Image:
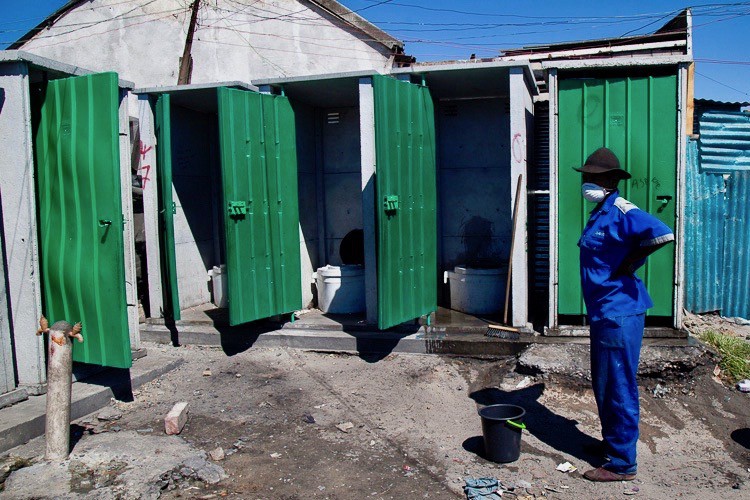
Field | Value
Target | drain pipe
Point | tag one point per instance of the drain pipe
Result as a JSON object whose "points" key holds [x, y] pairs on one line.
{"points": [[59, 386]]}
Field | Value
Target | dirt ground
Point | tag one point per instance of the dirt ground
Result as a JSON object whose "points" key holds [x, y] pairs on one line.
{"points": [[415, 431]]}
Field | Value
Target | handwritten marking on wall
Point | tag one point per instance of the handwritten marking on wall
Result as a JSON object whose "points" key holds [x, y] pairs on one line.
{"points": [[643, 182], [143, 150], [517, 148]]}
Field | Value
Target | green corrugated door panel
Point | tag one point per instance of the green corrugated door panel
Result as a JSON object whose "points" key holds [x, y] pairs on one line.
{"points": [[80, 224], [166, 207], [261, 209], [636, 117], [406, 201]]}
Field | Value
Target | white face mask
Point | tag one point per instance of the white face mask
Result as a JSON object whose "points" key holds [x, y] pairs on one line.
{"points": [[593, 192]]}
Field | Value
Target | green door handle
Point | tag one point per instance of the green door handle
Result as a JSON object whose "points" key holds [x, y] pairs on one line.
{"points": [[517, 425], [104, 222]]}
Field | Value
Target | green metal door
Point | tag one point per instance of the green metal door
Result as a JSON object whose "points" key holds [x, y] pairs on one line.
{"points": [[80, 223], [406, 201], [635, 117], [166, 207], [261, 217]]}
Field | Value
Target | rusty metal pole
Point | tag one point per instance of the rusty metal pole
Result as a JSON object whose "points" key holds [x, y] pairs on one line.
{"points": [[59, 386]]}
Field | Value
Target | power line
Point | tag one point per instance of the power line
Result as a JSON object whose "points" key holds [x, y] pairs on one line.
{"points": [[493, 14], [168, 14], [723, 84], [720, 61], [380, 2], [40, 18]]}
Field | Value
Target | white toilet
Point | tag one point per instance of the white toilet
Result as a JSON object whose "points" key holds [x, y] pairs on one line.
{"points": [[477, 291], [341, 289]]}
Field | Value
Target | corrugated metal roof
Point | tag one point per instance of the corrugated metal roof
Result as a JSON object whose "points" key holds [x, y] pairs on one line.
{"points": [[721, 104], [725, 141]]}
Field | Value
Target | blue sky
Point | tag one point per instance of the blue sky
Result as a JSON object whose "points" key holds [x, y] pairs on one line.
{"points": [[443, 29]]}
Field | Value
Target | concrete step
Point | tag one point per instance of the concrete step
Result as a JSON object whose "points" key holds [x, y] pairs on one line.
{"points": [[25, 420], [427, 340]]}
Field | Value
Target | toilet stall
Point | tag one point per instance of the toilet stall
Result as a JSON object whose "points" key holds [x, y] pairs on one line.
{"points": [[484, 132], [441, 149], [371, 169], [400, 181], [327, 121], [637, 109], [221, 198], [66, 220]]}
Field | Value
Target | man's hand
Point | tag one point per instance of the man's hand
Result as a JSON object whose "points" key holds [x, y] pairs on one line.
{"points": [[635, 259], [626, 268]]}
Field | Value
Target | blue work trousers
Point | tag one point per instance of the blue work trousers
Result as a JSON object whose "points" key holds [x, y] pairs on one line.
{"points": [[615, 351]]}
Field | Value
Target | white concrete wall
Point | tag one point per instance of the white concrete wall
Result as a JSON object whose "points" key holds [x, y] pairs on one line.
{"points": [[19, 224], [522, 133], [474, 183], [342, 178], [266, 38], [148, 172], [194, 173], [307, 187]]}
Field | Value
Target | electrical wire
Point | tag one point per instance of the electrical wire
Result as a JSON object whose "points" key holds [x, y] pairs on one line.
{"points": [[41, 18], [722, 84], [91, 24], [492, 14], [169, 14]]}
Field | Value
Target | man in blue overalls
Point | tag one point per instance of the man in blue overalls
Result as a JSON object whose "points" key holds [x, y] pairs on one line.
{"points": [[615, 242]]}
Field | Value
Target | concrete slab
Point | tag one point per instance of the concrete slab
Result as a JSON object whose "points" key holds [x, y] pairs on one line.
{"points": [[13, 397], [572, 359], [312, 335], [25, 420]]}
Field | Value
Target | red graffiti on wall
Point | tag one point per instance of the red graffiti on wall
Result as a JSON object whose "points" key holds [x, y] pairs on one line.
{"points": [[143, 150]]}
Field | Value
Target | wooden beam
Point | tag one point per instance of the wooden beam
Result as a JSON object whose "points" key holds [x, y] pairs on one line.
{"points": [[186, 63], [690, 111]]}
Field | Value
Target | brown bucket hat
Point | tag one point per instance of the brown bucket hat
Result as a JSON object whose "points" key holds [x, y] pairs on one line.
{"points": [[603, 160]]}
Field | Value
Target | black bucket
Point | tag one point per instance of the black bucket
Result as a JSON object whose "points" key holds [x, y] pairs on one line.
{"points": [[501, 429]]}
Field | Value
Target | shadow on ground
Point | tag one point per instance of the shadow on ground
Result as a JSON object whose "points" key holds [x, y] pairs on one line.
{"points": [[556, 431], [742, 437]]}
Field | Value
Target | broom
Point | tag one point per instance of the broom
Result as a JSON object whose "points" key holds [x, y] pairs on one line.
{"points": [[504, 331]]}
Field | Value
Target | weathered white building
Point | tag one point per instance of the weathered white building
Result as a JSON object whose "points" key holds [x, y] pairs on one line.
{"points": [[144, 40]]}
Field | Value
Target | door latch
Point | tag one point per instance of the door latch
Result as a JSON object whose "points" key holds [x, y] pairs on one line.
{"points": [[390, 202], [664, 199], [237, 208]]}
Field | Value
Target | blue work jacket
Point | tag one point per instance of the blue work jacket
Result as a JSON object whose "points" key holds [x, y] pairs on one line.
{"points": [[616, 228]]}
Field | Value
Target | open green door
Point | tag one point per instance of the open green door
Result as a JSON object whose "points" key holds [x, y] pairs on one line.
{"points": [[80, 223], [406, 201], [636, 117], [163, 119], [261, 211]]}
